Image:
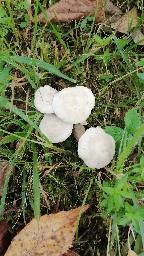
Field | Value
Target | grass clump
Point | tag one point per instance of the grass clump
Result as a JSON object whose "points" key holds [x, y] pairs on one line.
{"points": [[43, 178]]}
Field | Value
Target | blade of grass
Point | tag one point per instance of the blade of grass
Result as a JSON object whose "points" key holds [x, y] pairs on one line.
{"points": [[130, 146], [83, 204], [36, 185]]}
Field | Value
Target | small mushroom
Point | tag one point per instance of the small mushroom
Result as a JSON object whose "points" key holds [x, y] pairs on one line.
{"points": [[78, 131], [54, 128], [96, 148], [43, 99], [73, 105]]}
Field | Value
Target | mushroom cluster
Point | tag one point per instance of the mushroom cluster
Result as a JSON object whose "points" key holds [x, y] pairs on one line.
{"points": [[68, 107]]}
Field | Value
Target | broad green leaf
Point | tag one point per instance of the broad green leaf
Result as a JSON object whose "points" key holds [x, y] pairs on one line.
{"points": [[110, 204], [128, 207], [132, 121], [4, 74], [126, 194], [108, 190], [115, 132], [124, 221], [141, 75], [98, 39], [104, 203], [121, 183], [118, 201], [140, 63]]}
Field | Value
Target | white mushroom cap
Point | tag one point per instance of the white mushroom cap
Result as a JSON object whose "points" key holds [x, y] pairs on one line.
{"points": [[74, 104], [55, 129], [96, 148], [43, 99]]}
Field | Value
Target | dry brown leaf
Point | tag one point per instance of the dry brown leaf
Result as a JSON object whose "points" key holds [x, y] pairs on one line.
{"points": [[138, 37], [4, 237], [78, 131], [113, 13], [68, 10], [52, 235], [128, 20], [4, 168]]}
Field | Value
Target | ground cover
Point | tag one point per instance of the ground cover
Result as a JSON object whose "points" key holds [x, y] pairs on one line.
{"points": [[38, 178]]}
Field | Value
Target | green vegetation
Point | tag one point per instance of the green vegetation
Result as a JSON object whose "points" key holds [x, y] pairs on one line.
{"points": [[45, 178]]}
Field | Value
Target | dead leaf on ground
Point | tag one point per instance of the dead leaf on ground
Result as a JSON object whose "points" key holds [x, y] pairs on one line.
{"points": [[112, 12], [52, 235], [128, 20], [4, 168], [4, 237], [68, 10], [138, 37]]}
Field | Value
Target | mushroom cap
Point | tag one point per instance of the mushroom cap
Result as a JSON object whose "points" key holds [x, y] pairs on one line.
{"points": [[55, 129], [96, 148], [43, 99], [74, 104]]}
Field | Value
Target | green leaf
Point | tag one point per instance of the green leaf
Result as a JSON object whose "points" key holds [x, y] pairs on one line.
{"points": [[34, 62], [6, 104], [110, 204], [121, 183], [128, 207], [140, 63], [108, 190], [36, 184], [41, 64], [104, 203], [118, 201], [142, 162], [126, 194], [4, 74], [141, 75], [98, 39], [12, 137], [132, 121], [124, 221], [115, 132]]}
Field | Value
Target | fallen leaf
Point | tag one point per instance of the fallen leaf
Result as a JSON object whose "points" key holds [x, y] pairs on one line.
{"points": [[68, 10], [112, 12], [52, 235], [126, 22], [4, 168], [4, 237], [78, 131], [138, 37]]}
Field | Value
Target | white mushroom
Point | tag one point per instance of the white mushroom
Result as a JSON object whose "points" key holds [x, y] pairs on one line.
{"points": [[74, 104], [43, 99], [78, 131], [96, 148], [55, 129]]}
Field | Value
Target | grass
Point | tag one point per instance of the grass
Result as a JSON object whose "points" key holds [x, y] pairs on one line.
{"points": [[45, 178]]}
